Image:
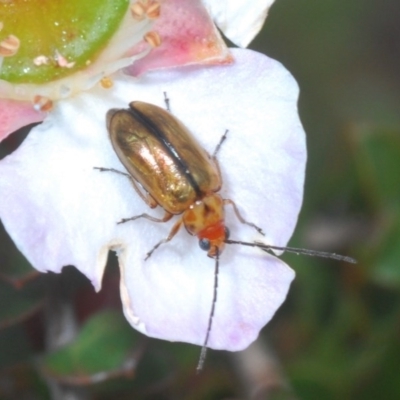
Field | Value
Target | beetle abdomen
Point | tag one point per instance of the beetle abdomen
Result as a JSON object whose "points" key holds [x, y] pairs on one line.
{"points": [[161, 154]]}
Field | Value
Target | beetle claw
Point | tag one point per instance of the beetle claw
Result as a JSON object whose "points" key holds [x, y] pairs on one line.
{"points": [[148, 255], [259, 230], [123, 220], [102, 169]]}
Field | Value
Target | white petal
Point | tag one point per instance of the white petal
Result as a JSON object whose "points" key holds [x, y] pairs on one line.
{"points": [[60, 211], [239, 20]]}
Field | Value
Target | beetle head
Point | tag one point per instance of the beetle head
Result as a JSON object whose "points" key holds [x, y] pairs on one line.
{"points": [[205, 219]]}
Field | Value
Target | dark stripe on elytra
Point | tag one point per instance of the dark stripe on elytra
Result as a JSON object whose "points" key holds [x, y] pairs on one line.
{"points": [[183, 168]]}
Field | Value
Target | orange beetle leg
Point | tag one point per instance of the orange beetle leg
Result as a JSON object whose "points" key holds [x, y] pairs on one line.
{"points": [[146, 197], [214, 156], [167, 216], [172, 233], [240, 218]]}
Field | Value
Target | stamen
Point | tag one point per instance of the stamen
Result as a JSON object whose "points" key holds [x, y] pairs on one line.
{"points": [[42, 103], [138, 11], [62, 61], [41, 60], [9, 46], [152, 38], [153, 11], [106, 82], [145, 9]]}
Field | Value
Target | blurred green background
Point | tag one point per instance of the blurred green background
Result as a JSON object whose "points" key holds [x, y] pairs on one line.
{"points": [[337, 335]]}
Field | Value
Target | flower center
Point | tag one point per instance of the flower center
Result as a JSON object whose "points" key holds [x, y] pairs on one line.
{"points": [[45, 40]]}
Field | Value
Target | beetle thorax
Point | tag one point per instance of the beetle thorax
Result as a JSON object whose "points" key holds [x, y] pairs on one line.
{"points": [[206, 219]]}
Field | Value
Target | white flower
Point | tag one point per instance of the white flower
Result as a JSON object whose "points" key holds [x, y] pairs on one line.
{"points": [[61, 211]]}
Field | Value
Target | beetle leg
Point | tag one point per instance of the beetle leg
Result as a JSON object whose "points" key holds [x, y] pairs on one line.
{"points": [[101, 169], [171, 234], [222, 140], [146, 197], [166, 99], [240, 218], [167, 216], [214, 156]]}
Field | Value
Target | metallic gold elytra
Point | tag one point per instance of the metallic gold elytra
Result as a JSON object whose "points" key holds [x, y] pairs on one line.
{"points": [[160, 153]]}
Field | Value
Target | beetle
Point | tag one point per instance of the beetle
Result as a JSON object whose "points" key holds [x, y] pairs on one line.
{"points": [[169, 168]]}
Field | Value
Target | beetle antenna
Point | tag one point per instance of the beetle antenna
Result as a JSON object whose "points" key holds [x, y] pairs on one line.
{"points": [[295, 250], [203, 352]]}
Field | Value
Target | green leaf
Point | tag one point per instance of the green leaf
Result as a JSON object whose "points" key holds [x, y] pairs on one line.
{"points": [[377, 153], [14, 346], [386, 269], [16, 305], [14, 267], [106, 345]]}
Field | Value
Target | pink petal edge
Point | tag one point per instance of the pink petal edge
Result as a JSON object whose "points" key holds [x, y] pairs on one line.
{"points": [[15, 115]]}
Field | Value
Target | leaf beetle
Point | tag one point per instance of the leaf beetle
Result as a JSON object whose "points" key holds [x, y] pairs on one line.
{"points": [[169, 168]]}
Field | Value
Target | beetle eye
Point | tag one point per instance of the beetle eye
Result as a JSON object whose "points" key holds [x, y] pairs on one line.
{"points": [[227, 232], [204, 244]]}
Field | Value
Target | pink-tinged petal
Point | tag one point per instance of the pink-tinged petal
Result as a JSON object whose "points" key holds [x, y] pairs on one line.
{"points": [[60, 211], [239, 20], [15, 115], [188, 36]]}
